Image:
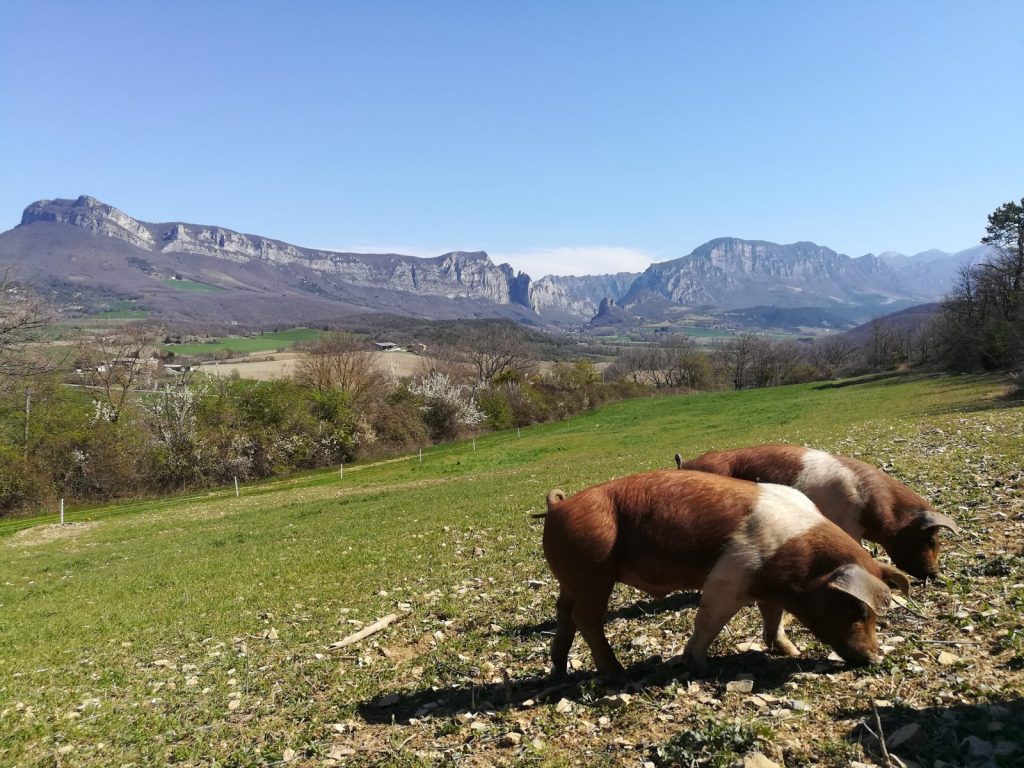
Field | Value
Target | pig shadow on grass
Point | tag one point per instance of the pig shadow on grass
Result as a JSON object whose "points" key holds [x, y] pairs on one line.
{"points": [[989, 733], [768, 672], [677, 601]]}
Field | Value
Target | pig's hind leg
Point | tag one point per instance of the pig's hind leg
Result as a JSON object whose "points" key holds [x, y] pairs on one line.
{"points": [[565, 632], [588, 612]]}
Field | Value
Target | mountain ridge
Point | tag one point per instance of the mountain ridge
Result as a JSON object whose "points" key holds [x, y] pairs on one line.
{"points": [[86, 248]]}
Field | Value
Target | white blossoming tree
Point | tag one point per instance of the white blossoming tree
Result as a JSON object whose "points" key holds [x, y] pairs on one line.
{"points": [[447, 407]]}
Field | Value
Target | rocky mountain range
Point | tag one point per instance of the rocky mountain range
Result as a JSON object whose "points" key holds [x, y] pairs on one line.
{"points": [[87, 254]]}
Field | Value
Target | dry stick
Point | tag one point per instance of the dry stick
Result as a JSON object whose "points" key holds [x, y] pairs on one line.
{"points": [[880, 735], [947, 642], [365, 632]]}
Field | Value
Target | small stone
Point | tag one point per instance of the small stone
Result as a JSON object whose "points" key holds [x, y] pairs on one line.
{"points": [[288, 755], [338, 752], [740, 686], [904, 735], [1004, 748], [798, 705], [757, 760], [234, 704], [477, 552], [563, 706], [744, 647], [537, 744], [756, 702], [614, 701], [947, 659], [511, 739], [978, 747], [271, 634], [478, 725]]}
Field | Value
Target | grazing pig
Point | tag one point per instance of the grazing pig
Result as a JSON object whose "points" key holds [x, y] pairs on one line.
{"points": [[738, 541], [861, 499]]}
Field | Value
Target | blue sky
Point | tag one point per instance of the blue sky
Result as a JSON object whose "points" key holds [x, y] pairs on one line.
{"points": [[564, 137]]}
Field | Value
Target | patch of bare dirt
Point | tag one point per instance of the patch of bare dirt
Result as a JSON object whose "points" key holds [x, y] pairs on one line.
{"points": [[44, 534]]}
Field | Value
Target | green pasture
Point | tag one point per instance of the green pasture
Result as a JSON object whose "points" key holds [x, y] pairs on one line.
{"points": [[194, 630], [124, 309], [243, 345]]}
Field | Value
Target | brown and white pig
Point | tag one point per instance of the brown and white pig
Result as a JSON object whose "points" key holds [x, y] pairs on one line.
{"points": [[737, 541], [861, 499]]}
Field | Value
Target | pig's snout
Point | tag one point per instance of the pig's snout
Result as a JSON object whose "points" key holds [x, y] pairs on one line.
{"points": [[859, 656]]}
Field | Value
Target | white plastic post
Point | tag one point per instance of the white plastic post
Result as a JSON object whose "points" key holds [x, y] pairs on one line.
{"points": [[519, 432], [236, 487], [62, 511], [341, 471], [421, 455], [474, 442]]}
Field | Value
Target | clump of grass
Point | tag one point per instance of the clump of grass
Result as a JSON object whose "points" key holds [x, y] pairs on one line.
{"points": [[709, 743]]}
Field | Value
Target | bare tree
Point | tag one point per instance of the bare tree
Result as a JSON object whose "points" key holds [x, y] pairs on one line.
{"points": [[122, 362], [24, 322], [684, 364], [735, 358], [339, 361], [888, 347], [445, 360], [635, 363], [495, 349], [833, 355]]}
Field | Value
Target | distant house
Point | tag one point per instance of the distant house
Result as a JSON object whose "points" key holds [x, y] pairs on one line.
{"points": [[387, 346]]}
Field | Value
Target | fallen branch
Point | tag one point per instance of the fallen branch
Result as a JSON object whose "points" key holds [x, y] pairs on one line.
{"points": [[365, 632], [880, 735]]}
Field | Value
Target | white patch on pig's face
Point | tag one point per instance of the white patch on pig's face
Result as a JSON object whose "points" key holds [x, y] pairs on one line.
{"points": [[834, 488]]}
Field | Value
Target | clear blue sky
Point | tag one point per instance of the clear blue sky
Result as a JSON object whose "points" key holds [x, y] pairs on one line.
{"points": [[571, 137]]}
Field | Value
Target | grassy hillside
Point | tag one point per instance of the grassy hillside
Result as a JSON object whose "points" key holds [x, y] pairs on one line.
{"points": [[195, 630]]}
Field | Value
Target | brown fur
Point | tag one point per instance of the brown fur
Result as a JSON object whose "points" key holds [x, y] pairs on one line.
{"points": [[666, 530], [891, 514]]}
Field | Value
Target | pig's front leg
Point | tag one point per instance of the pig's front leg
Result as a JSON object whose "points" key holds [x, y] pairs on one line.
{"points": [[723, 595], [775, 629]]}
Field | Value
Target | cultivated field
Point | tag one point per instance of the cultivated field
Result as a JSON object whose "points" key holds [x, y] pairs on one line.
{"points": [[197, 631], [283, 364]]}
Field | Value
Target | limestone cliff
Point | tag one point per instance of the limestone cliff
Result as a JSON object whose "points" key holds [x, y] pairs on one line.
{"points": [[453, 275], [578, 296]]}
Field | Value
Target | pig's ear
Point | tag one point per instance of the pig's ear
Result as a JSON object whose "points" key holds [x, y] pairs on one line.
{"points": [[929, 518], [679, 461], [854, 580], [894, 577]]}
